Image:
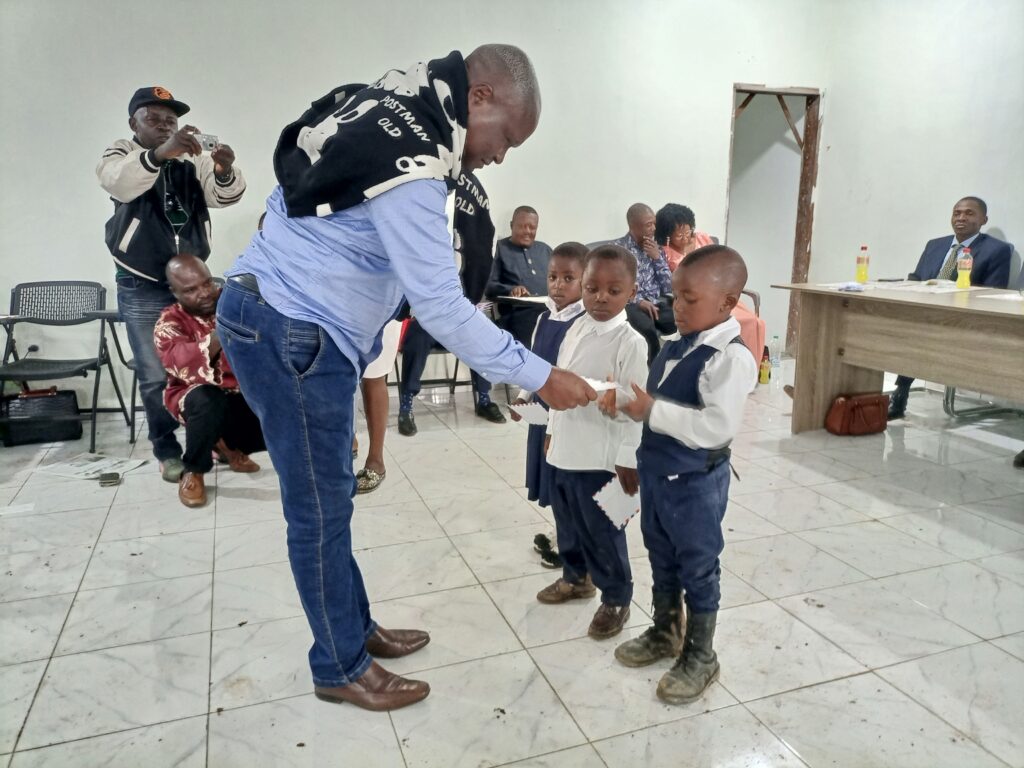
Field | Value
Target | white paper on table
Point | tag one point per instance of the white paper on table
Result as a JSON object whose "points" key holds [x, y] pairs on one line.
{"points": [[89, 466], [532, 413], [617, 506], [1004, 296]]}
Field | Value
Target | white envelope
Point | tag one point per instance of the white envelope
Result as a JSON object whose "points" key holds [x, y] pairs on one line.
{"points": [[616, 505], [532, 413]]}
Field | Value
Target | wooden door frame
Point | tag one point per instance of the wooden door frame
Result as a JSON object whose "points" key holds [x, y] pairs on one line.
{"points": [[808, 143]]}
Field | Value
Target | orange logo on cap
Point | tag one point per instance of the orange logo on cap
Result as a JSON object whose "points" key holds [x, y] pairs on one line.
{"points": [[162, 93]]}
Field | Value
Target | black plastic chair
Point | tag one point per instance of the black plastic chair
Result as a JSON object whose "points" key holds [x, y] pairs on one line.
{"points": [[58, 302]]}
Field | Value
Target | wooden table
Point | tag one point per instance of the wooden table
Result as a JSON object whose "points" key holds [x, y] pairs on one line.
{"points": [[847, 340]]}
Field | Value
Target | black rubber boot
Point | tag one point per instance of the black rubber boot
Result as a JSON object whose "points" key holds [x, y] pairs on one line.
{"points": [[662, 640], [697, 667]]}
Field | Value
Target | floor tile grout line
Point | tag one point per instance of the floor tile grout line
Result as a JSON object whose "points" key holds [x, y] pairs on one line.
{"points": [[956, 729], [60, 632], [107, 733], [213, 587]]}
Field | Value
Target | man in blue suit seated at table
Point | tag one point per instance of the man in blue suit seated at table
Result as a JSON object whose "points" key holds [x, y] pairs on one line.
{"points": [[991, 267]]}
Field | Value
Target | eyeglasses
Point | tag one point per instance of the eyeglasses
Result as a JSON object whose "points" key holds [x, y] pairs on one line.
{"points": [[171, 121]]}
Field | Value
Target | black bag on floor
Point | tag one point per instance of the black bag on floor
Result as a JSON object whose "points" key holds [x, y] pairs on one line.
{"points": [[41, 416]]}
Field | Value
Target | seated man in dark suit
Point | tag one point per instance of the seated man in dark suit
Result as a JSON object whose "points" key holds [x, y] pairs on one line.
{"points": [[991, 267], [520, 269]]}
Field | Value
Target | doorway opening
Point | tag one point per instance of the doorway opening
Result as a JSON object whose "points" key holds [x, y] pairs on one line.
{"points": [[773, 167]]}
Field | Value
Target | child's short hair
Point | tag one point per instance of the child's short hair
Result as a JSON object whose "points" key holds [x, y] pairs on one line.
{"points": [[613, 253], [573, 251], [729, 266]]}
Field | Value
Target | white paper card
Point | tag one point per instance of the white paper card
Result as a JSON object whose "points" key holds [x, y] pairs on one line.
{"points": [[532, 413], [616, 505], [89, 466], [1004, 296]]}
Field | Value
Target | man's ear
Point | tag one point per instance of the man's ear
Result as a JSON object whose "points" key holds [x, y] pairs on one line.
{"points": [[133, 124], [729, 301]]}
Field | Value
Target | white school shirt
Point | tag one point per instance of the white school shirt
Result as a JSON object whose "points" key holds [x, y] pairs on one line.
{"points": [[584, 438], [558, 315], [727, 379]]}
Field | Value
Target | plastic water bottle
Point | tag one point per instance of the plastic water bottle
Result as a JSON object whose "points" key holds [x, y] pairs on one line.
{"points": [[775, 352]]}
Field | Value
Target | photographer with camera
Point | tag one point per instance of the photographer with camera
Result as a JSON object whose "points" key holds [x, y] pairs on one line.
{"points": [[162, 181]]}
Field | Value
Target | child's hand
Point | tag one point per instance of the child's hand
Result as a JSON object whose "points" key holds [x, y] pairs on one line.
{"points": [[639, 409], [606, 402], [547, 444], [515, 416], [629, 479]]}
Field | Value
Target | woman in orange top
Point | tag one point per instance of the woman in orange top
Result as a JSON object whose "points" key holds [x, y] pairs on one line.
{"points": [[675, 229]]}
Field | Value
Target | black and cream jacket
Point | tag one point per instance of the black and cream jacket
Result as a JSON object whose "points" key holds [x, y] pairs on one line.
{"points": [[148, 195]]}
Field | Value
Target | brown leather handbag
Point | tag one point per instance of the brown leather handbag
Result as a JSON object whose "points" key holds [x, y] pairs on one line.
{"points": [[858, 414]]}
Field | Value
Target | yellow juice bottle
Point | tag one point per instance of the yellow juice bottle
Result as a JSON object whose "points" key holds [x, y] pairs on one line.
{"points": [[964, 264], [862, 265]]}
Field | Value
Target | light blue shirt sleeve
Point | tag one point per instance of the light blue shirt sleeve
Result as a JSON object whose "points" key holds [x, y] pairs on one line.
{"points": [[412, 226]]}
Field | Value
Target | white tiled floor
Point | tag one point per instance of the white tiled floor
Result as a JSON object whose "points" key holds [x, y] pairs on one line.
{"points": [[872, 614]]}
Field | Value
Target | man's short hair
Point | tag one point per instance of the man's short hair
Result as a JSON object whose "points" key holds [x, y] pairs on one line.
{"points": [[525, 209], [613, 253], [668, 218], [977, 201], [513, 64], [572, 250], [637, 210]]}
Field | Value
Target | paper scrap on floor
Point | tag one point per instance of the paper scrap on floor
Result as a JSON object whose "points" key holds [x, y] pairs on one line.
{"points": [[532, 413], [617, 506], [89, 466]]}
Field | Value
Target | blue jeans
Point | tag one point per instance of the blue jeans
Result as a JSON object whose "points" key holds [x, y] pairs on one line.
{"points": [[302, 388], [140, 303], [681, 520]]}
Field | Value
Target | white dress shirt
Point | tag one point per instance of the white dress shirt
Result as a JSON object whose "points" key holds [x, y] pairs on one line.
{"points": [[563, 315], [584, 438], [724, 384]]}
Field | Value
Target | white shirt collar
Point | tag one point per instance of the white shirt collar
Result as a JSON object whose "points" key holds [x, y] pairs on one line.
{"points": [[966, 243], [601, 327], [569, 311], [718, 336]]}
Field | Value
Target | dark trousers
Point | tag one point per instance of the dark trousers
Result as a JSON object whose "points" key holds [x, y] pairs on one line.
{"points": [[520, 321], [644, 325], [416, 346], [681, 520], [210, 414], [587, 541], [140, 303]]}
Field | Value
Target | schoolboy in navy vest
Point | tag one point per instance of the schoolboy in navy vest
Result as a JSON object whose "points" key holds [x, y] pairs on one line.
{"points": [[692, 409], [587, 451], [564, 307]]}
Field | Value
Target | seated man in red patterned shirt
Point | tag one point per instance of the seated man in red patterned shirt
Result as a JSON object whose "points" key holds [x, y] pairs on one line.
{"points": [[202, 392]]}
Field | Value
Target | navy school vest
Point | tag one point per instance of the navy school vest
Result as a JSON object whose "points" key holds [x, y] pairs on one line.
{"points": [[548, 339], [662, 455]]}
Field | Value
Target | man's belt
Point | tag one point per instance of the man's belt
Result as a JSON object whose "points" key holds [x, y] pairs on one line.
{"points": [[247, 281]]}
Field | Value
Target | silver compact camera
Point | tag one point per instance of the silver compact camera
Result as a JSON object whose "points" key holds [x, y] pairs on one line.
{"points": [[207, 141]]}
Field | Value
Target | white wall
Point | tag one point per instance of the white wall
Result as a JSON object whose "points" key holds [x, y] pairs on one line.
{"points": [[765, 181], [637, 106]]}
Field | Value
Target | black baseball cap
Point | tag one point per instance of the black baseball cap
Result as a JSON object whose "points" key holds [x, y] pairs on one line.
{"points": [[155, 94]]}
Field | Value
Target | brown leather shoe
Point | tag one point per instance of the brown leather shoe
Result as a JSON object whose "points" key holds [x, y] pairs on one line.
{"points": [[377, 690], [192, 489], [563, 591], [393, 643], [238, 461], [608, 621]]}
